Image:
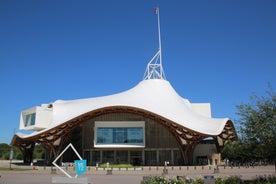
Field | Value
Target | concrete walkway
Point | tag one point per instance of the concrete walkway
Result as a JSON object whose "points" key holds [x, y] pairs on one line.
{"points": [[44, 175]]}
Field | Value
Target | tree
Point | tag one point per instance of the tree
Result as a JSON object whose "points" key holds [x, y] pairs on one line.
{"points": [[5, 152], [258, 125], [238, 152]]}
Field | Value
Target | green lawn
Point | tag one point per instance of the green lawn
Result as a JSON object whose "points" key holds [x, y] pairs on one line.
{"points": [[13, 169], [118, 166]]}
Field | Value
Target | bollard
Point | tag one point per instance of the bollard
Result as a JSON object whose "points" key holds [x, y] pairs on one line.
{"points": [[216, 170], [109, 171], [165, 171], [53, 171]]}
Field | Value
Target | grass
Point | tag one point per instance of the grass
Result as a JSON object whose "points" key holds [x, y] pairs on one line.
{"points": [[118, 166], [13, 169]]}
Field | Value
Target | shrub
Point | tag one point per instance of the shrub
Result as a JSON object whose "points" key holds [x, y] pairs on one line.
{"points": [[265, 179], [229, 180], [235, 179], [270, 179], [173, 180]]}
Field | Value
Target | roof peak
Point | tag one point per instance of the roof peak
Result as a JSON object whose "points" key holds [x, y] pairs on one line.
{"points": [[154, 68]]}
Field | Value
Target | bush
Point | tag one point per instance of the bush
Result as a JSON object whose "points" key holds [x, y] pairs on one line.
{"points": [[229, 180], [265, 179], [235, 179], [173, 180]]}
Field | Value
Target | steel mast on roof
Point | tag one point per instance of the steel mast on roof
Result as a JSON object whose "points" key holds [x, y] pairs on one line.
{"points": [[154, 68]]}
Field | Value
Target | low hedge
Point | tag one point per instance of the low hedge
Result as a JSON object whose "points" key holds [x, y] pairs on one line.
{"points": [[269, 179]]}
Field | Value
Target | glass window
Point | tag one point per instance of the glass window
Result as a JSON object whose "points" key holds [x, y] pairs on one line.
{"points": [[30, 120], [119, 134], [104, 136], [122, 135]]}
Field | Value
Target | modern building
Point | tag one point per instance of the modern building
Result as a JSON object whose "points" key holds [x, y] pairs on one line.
{"points": [[145, 125]]}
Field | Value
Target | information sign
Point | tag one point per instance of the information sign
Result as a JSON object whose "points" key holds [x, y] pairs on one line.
{"points": [[80, 166]]}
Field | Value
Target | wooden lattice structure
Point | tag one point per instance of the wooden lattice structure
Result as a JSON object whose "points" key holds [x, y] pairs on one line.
{"points": [[53, 139]]}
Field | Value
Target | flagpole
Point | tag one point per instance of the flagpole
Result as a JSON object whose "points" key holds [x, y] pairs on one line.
{"points": [[159, 36], [154, 68]]}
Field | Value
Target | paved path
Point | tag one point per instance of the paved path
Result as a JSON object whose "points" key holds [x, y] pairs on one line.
{"points": [[43, 175]]}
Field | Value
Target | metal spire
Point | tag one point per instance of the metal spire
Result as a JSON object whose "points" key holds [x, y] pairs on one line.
{"points": [[154, 68]]}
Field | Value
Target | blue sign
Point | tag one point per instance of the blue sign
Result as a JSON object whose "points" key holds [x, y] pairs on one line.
{"points": [[80, 166]]}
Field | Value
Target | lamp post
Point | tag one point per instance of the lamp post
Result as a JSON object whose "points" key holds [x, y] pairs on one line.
{"points": [[11, 156]]}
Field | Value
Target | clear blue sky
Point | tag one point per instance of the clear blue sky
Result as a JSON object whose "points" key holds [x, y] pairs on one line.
{"points": [[217, 51]]}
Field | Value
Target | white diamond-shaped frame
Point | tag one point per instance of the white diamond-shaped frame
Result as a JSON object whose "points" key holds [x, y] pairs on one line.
{"points": [[54, 162]]}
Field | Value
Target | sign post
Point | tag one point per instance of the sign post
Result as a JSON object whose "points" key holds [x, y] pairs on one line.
{"points": [[80, 166], [11, 157]]}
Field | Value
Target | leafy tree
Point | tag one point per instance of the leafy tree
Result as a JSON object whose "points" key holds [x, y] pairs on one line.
{"points": [[237, 152], [230, 151], [17, 154], [258, 126], [4, 151], [39, 152]]}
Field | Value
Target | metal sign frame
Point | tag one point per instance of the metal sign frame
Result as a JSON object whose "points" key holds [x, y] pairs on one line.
{"points": [[54, 162]]}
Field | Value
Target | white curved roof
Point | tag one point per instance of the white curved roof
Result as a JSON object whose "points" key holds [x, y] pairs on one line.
{"points": [[154, 95]]}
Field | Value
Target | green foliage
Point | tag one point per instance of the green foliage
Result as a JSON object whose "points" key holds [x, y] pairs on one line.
{"points": [[242, 152], [229, 180], [14, 169], [236, 180], [17, 154], [258, 126], [265, 179], [226, 180], [172, 180], [5, 152], [117, 166], [39, 152], [257, 131]]}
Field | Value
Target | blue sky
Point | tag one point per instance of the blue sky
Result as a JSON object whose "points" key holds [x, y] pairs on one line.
{"points": [[217, 51]]}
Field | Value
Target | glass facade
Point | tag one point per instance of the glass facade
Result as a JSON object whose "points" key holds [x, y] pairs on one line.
{"points": [[128, 138], [122, 135], [119, 134]]}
